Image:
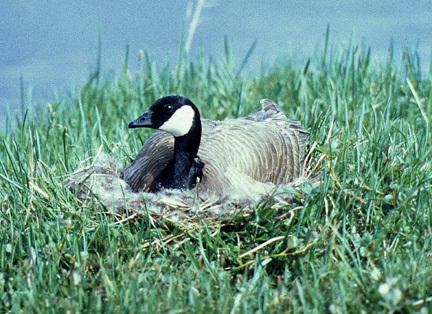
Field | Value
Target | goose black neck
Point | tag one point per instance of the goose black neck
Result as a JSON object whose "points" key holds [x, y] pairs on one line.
{"points": [[185, 167]]}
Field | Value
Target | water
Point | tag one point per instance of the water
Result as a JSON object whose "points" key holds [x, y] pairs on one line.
{"points": [[52, 45]]}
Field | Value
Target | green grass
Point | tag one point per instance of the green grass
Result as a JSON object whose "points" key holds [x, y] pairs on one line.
{"points": [[362, 241]]}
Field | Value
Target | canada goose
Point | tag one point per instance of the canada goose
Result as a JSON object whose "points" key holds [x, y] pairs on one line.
{"points": [[264, 147]]}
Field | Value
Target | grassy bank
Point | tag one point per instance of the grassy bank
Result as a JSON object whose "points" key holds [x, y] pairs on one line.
{"points": [[361, 241]]}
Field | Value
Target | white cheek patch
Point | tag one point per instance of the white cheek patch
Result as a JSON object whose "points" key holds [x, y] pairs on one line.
{"points": [[180, 122]]}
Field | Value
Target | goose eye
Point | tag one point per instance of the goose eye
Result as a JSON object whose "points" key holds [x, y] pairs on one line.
{"points": [[168, 108]]}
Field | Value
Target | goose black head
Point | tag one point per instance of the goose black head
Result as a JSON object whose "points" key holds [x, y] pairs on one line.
{"points": [[178, 116], [173, 114]]}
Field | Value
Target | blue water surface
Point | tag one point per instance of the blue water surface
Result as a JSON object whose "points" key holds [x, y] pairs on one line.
{"points": [[52, 45]]}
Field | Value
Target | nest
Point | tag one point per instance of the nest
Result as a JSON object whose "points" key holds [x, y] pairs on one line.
{"points": [[101, 181]]}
